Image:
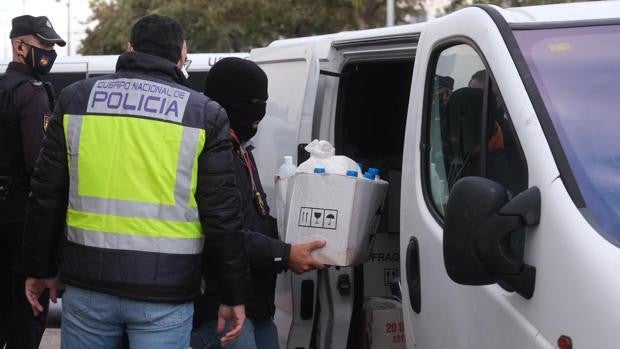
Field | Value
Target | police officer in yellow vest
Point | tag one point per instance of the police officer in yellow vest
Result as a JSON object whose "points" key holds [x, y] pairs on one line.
{"points": [[141, 168]]}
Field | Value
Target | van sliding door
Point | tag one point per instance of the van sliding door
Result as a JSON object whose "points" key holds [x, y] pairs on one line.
{"points": [[293, 74]]}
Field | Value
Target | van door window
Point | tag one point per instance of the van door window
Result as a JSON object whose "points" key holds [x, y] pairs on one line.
{"points": [[469, 132]]}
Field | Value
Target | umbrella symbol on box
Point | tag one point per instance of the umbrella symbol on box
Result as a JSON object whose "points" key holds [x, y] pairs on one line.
{"points": [[330, 217]]}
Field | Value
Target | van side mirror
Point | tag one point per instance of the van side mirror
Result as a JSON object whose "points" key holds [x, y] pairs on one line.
{"points": [[476, 237]]}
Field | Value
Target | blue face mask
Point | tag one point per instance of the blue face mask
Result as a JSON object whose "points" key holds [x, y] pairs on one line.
{"points": [[41, 60]]}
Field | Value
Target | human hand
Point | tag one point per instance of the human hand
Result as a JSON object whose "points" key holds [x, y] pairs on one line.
{"points": [[300, 259], [236, 314], [35, 287]]}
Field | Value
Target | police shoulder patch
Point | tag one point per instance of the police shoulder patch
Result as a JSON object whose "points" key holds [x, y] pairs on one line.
{"points": [[46, 121]]}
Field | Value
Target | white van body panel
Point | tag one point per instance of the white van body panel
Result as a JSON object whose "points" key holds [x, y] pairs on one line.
{"points": [[293, 74], [561, 246], [576, 288], [446, 305]]}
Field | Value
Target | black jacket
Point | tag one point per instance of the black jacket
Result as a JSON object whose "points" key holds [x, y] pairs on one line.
{"points": [[140, 275], [24, 106], [268, 255]]}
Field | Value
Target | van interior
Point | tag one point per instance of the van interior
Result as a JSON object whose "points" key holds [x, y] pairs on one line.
{"points": [[371, 113]]}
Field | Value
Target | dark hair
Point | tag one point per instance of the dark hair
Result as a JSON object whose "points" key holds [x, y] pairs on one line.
{"points": [[480, 75], [158, 35]]}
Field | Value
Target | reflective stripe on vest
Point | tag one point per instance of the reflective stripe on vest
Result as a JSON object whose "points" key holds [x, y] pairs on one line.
{"points": [[132, 184], [129, 242]]}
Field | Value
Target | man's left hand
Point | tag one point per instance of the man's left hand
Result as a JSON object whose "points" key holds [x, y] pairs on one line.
{"points": [[300, 259], [36, 287]]}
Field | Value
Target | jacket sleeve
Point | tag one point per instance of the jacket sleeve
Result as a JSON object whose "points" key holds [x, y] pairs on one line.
{"points": [[33, 107], [219, 207], [47, 204], [266, 254]]}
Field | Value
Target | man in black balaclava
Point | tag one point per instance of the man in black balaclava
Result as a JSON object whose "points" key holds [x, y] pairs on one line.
{"points": [[240, 86]]}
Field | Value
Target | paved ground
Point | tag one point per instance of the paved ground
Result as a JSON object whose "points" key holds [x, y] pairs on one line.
{"points": [[51, 336], [51, 339]]}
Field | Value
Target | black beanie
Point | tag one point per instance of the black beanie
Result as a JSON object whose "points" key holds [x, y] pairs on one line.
{"points": [[158, 35], [240, 87]]}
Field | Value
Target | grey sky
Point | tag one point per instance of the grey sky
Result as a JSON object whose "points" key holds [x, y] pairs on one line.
{"points": [[55, 10]]}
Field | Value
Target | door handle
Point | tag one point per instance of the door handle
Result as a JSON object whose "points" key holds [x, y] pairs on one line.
{"points": [[413, 274]]}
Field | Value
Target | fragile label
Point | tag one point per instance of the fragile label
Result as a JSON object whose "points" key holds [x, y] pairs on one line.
{"points": [[314, 217], [389, 276]]}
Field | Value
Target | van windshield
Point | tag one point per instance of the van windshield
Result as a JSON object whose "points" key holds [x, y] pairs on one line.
{"points": [[577, 72]]}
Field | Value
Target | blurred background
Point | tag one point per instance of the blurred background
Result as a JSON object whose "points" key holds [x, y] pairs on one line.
{"points": [[93, 27]]}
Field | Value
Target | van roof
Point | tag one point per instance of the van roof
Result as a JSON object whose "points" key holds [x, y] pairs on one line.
{"points": [[566, 12], [560, 13], [105, 64]]}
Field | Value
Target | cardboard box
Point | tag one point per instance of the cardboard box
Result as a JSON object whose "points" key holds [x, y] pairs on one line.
{"points": [[383, 266], [385, 328], [342, 210]]}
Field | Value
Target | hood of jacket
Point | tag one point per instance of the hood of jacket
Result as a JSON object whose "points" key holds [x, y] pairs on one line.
{"points": [[150, 64]]}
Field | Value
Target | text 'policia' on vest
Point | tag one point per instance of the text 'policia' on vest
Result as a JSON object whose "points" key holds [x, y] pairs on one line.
{"points": [[142, 97]]}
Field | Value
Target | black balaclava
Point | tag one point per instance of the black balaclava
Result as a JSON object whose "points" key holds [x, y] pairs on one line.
{"points": [[240, 87]]}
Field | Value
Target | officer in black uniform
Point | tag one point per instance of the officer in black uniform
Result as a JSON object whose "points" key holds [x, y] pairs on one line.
{"points": [[25, 105]]}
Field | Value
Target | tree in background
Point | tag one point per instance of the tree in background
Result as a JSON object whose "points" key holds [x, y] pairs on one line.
{"points": [[458, 4], [237, 25]]}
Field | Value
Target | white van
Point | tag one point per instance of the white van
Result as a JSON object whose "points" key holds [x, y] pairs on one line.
{"points": [[69, 69], [501, 126]]}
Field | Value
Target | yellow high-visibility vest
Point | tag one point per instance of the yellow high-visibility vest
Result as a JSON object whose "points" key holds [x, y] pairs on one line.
{"points": [[132, 183]]}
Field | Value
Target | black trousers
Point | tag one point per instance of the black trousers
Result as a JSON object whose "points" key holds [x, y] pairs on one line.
{"points": [[19, 328]]}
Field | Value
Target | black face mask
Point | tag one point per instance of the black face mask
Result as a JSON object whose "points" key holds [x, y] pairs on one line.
{"points": [[242, 120], [41, 60], [243, 130]]}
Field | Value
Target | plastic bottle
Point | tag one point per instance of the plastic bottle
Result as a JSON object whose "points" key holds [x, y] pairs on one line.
{"points": [[372, 173], [351, 173], [287, 169], [376, 171]]}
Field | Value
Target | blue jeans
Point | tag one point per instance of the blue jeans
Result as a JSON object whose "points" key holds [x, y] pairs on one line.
{"points": [[256, 334], [97, 320]]}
